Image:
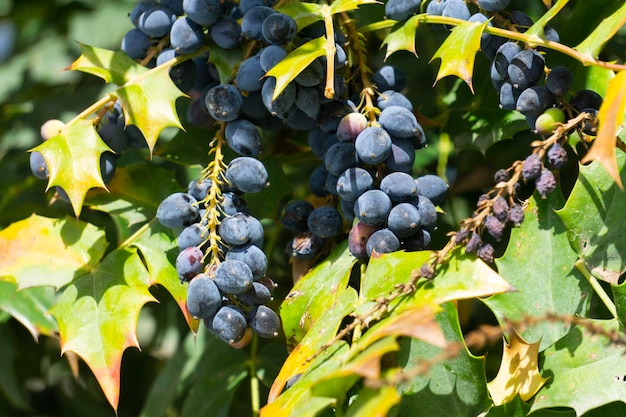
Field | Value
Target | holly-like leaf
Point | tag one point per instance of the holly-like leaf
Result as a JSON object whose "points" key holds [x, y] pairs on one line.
{"points": [[98, 312], [341, 6], [225, 60], [30, 307], [39, 251], [296, 62], [73, 160], [303, 13], [459, 50], [518, 373], [585, 371], [149, 102], [539, 263], [315, 293], [112, 66], [456, 387], [592, 216], [403, 38], [610, 116], [604, 32]]}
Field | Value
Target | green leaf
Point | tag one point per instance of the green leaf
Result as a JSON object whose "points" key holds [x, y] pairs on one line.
{"points": [[10, 386], [149, 102], [341, 6], [131, 203], [459, 50], [97, 316], [403, 38], [373, 402], [538, 26], [463, 276], [225, 60], [302, 12], [315, 293], [604, 32], [30, 307], [539, 263], [619, 298], [295, 62], [220, 372], [592, 216], [40, 251], [73, 160], [585, 371], [451, 388], [515, 408], [111, 66]]}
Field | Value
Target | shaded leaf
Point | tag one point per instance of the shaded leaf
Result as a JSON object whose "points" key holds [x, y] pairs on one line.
{"points": [[296, 62], [585, 372], [30, 307], [112, 66], [10, 386], [592, 216], [519, 372], [538, 26], [403, 38], [310, 299], [220, 372], [97, 316], [539, 263], [604, 32], [39, 251], [149, 102], [73, 160], [459, 50], [341, 6], [303, 13], [225, 60], [373, 402], [610, 116], [619, 298], [515, 408], [129, 202], [455, 387]]}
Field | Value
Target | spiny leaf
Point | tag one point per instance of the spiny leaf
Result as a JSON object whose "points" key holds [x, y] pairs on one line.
{"points": [[314, 293], [604, 32], [519, 371], [539, 263], [451, 388], [73, 160], [30, 307], [593, 218], [97, 316], [149, 102], [39, 251], [459, 50], [302, 12], [294, 63], [586, 371], [403, 38], [537, 27], [341, 6], [610, 116], [112, 66]]}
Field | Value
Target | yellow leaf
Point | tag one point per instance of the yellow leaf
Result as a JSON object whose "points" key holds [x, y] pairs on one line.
{"points": [[459, 50], [611, 115], [519, 372]]}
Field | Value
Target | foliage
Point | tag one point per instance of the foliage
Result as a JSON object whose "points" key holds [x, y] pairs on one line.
{"points": [[537, 332]]}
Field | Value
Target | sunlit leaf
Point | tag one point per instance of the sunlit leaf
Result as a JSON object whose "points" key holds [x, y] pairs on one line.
{"points": [[604, 32], [585, 371], [610, 116], [112, 66], [592, 216], [519, 371], [30, 307], [373, 402], [97, 316], [303, 13], [296, 62], [39, 251], [459, 50], [149, 102], [341, 6], [403, 38], [73, 160]]}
